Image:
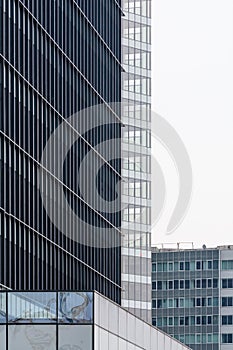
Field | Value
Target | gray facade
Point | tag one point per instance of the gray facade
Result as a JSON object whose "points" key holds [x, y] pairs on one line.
{"points": [[136, 148], [192, 295]]}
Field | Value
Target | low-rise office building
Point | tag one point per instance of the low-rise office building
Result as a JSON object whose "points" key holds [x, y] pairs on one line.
{"points": [[192, 295]]}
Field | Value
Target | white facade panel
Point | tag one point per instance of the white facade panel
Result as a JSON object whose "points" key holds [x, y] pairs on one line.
{"points": [[126, 331]]}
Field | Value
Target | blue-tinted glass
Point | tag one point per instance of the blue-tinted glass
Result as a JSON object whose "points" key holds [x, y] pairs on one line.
{"points": [[75, 307], [2, 307], [32, 307]]}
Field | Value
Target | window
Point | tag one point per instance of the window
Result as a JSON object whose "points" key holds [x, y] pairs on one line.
{"points": [[192, 284], [204, 283], [198, 265], [198, 302], [215, 264], [181, 266], [192, 266], [187, 284], [153, 285], [227, 320], [181, 321], [227, 265], [187, 267], [215, 319], [153, 267], [203, 320], [209, 264], [227, 283], [209, 319], [159, 303], [227, 301], [209, 301], [164, 267], [170, 266], [154, 304], [198, 320], [181, 284], [176, 284], [215, 283], [198, 338], [227, 338], [215, 301], [181, 302], [209, 283], [170, 303], [170, 284], [224, 301], [198, 283], [170, 321], [154, 321]]}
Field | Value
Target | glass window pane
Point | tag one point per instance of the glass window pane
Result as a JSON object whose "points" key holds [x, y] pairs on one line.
{"points": [[2, 307], [28, 337], [2, 337], [75, 337], [32, 307], [75, 307]]}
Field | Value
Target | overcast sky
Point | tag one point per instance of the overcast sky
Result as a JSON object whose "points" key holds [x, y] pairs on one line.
{"points": [[192, 88]]}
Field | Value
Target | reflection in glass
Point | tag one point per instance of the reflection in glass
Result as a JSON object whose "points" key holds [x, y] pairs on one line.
{"points": [[2, 307], [31, 337], [75, 337], [32, 307], [2, 337], [75, 307]]}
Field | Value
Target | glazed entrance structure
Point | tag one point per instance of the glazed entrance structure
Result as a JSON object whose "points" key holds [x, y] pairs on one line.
{"points": [[74, 321]]}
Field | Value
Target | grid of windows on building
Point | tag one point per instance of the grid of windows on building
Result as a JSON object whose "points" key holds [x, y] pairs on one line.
{"points": [[57, 58], [136, 158], [188, 284], [192, 295]]}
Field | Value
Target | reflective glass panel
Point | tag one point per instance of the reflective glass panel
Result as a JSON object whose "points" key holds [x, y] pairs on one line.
{"points": [[75, 307], [2, 337], [28, 337], [32, 307], [75, 337], [2, 307]]}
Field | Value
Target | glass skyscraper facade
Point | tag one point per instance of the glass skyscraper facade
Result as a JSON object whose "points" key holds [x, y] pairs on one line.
{"points": [[136, 161], [57, 58], [192, 295]]}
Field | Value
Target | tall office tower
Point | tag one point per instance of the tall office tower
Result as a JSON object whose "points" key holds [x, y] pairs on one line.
{"points": [[192, 295], [56, 58], [136, 193]]}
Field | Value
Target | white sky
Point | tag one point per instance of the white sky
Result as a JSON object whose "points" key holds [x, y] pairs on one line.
{"points": [[192, 83]]}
